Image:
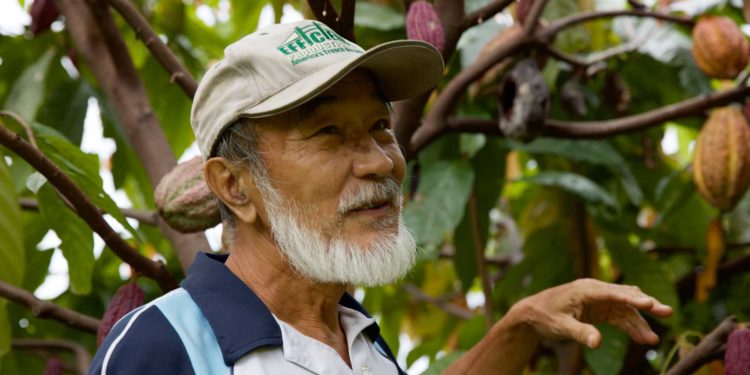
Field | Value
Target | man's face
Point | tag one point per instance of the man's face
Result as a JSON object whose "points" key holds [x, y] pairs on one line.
{"points": [[322, 155]]}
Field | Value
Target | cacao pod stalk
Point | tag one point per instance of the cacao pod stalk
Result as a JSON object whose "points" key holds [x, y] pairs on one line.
{"points": [[715, 248], [721, 164]]}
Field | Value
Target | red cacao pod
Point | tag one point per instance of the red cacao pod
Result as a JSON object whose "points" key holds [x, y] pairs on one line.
{"points": [[43, 13], [423, 23], [54, 366], [184, 200], [719, 47], [126, 298], [721, 164], [737, 356]]}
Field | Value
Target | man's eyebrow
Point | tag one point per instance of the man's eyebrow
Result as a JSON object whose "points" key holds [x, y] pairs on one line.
{"points": [[310, 107]]}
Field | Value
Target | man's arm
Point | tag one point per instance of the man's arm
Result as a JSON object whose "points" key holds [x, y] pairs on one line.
{"points": [[564, 312]]}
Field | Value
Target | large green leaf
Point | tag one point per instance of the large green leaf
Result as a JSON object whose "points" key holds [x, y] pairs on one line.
{"points": [[244, 16], [65, 108], [28, 91], [439, 203], [576, 184], [12, 260], [82, 168], [439, 366], [609, 357], [77, 239], [594, 152], [377, 16]]}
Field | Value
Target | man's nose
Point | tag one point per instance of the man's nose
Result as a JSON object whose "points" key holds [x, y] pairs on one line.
{"points": [[371, 160]]}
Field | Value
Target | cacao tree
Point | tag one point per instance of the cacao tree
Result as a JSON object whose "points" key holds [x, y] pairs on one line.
{"points": [[567, 139]]}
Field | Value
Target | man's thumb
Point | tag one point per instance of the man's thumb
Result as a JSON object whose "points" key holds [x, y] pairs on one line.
{"points": [[584, 333]]}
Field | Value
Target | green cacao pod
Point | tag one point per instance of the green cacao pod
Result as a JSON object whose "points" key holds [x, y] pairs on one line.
{"points": [[184, 200], [721, 164], [719, 47], [737, 356], [126, 298]]}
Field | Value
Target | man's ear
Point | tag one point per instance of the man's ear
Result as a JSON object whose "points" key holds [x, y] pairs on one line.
{"points": [[231, 184]]}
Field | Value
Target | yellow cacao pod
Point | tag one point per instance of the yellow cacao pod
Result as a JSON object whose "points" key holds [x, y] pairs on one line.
{"points": [[721, 164], [719, 47]]}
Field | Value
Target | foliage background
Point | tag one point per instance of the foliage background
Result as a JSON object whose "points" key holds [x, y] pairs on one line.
{"points": [[621, 209]]}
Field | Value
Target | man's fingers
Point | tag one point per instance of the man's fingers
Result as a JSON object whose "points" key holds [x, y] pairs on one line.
{"points": [[630, 321], [584, 333], [627, 294]]}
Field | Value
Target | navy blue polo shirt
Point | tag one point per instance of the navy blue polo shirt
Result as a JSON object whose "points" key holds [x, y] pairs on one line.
{"points": [[204, 327]]}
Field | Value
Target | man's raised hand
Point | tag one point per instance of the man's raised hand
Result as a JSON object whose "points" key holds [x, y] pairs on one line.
{"points": [[570, 310]]}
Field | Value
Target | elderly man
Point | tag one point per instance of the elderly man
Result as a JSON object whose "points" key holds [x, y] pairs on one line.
{"points": [[295, 124]]}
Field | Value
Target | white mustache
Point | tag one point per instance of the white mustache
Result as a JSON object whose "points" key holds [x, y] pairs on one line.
{"points": [[373, 193]]}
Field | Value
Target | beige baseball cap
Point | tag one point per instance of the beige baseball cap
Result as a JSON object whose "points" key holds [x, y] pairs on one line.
{"points": [[282, 66]]}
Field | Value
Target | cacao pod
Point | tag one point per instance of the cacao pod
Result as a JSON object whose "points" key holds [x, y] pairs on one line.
{"points": [[126, 298], [43, 13], [184, 200], [54, 366], [737, 356], [719, 47], [423, 23], [721, 164]]}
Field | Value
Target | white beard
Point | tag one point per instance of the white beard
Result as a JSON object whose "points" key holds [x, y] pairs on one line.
{"points": [[322, 255]]}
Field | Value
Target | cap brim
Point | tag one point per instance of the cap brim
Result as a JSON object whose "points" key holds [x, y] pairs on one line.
{"points": [[403, 69]]}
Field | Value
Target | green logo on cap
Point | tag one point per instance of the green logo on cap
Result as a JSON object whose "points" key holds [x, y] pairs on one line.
{"points": [[313, 41]]}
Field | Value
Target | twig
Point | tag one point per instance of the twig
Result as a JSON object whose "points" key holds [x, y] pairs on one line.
{"points": [[98, 39], [48, 310], [532, 19], [325, 12], [435, 120], [143, 216], [480, 259], [86, 209], [439, 302], [710, 348], [161, 51], [482, 14], [82, 356], [24, 124]]}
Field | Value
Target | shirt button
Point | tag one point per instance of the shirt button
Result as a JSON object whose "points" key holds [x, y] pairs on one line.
{"points": [[365, 370]]}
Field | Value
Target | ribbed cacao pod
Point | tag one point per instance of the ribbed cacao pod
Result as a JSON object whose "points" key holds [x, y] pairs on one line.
{"points": [[737, 356], [184, 200], [423, 23], [721, 164], [719, 47], [126, 298], [43, 13]]}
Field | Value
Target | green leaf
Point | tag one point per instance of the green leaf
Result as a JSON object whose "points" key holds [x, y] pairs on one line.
{"points": [[377, 16], [12, 261], [28, 92], [82, 168], [594, 152], [439, 203], [575, 184], [439, 366], [244, 16], [609, 357], [77, 239], [65, 108], [648, 274]]}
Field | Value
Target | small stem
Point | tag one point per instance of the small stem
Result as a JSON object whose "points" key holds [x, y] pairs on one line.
{"points": [[481, 261]]}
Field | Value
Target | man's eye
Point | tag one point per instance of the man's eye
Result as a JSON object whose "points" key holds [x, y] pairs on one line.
{"points": [[381, 125], [330, 129]]}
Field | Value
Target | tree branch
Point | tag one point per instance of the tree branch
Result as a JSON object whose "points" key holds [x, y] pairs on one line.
{"points": [[161, 52], [325, 12], [481, 262], [556, 27], [482, 14], [440, 302], [48, 310], [86, 209], [686, 285], [145, 217], [712, 347], [532, 19], [82, 356], [97, 38]]}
